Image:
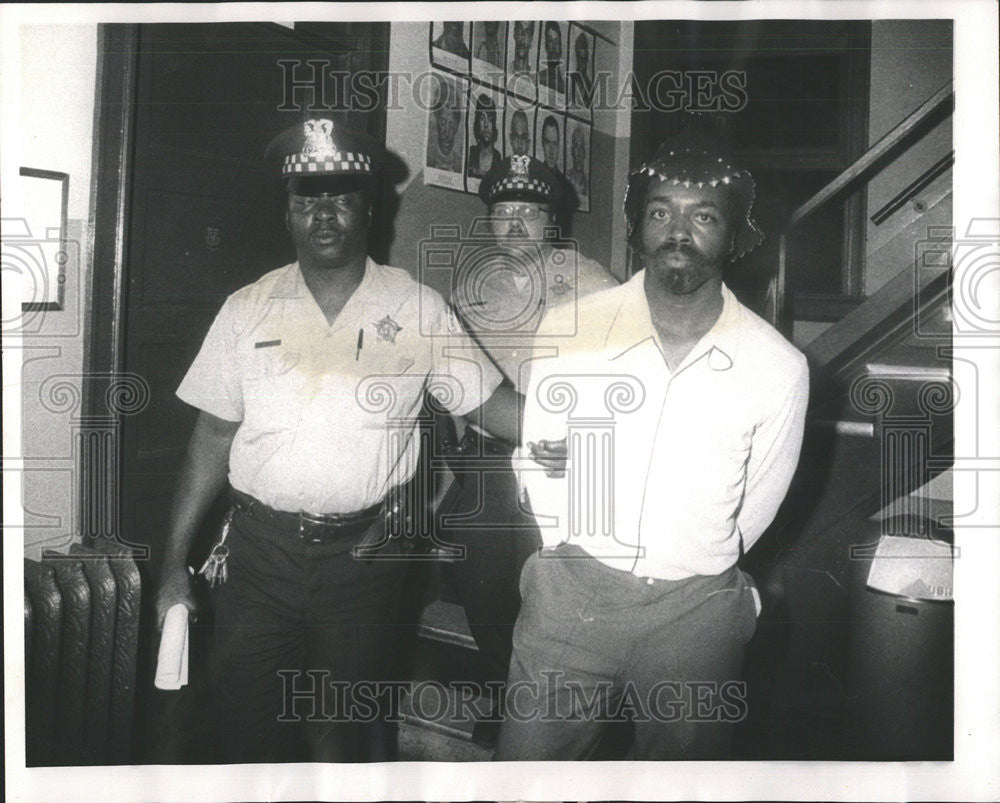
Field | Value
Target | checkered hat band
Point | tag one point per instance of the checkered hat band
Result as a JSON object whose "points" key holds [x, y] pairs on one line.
{"points": [[521, 185], [338, 162]]}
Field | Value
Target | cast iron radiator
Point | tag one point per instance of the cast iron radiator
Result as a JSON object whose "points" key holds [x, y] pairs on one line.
{"points": [[81, 626]]}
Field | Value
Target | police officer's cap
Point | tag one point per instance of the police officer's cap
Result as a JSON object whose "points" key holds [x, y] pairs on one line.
{"points": [[692, 162], [522, 178], [321, 156]]}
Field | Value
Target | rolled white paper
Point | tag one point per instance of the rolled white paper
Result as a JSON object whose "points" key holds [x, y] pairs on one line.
{"points": [[172, 660]]}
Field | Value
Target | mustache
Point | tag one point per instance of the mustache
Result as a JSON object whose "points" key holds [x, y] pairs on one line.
{"points": [[672, 247]]}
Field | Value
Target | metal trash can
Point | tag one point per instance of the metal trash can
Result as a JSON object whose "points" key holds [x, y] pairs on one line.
{"points": [[901, 642]]}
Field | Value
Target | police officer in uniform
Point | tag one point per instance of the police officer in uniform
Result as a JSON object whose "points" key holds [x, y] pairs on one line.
{"points": [[308, 385], [501, 295]]}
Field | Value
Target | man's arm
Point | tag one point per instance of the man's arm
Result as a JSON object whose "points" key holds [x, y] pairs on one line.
{"points": [[774, 456], [203, 474], [500, 414]]}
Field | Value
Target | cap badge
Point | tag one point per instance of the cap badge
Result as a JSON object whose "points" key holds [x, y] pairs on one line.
{"points": [[387, 329], [319, 139], [519, 166]]}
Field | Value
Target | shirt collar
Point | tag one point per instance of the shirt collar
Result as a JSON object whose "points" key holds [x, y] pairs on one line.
{"points": [[633, 325], [291, 283], [722, 341]]}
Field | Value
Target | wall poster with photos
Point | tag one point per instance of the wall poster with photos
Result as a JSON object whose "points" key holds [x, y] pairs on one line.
{"points": [[499, 89]]}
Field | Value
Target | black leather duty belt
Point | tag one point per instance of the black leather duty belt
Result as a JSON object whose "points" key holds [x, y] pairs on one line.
{"points": [[309, 527], [476, 444]]}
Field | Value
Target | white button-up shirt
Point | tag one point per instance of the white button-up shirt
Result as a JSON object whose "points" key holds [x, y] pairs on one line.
{"points": [[503, 304], [670, 474], [327, 413]]}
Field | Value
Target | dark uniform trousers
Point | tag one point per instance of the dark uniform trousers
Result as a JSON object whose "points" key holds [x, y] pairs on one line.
{"points": [[297, 627], [593, 641], [498, 537]]}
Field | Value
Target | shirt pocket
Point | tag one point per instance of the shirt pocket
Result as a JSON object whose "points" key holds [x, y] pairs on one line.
{"points": [[272, 392], [385, 355]]}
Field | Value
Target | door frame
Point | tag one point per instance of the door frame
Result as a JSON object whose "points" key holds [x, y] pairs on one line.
{"points": [[100, 438], [99, 448]]}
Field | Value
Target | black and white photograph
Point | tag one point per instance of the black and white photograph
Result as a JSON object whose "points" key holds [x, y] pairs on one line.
{"points": [[522, 54], [519, 128], [552, 80], [445, 155], [578, 161], [486, 109], [450, 45], [581, 76], [549, 142], [582, 409], [489, 47]]}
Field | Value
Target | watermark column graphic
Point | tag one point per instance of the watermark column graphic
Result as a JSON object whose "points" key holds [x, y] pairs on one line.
{"points": [[906, 439], [97, 443], [408, 516], [971, 265], [973, 262], [590, 404], [476, 265], [473, 268], [43, 314]]}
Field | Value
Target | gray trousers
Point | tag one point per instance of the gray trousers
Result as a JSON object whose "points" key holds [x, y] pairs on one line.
{"points": [[593, 644]]}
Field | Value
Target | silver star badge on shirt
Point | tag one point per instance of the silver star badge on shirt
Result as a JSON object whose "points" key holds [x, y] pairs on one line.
{"points": [[387, 329]]}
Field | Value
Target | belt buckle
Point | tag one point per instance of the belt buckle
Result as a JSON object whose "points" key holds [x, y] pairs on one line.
{"points": [[308, 521]]}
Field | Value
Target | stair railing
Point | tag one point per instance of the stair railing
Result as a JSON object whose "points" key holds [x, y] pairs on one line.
{"points": [[862, 170]]}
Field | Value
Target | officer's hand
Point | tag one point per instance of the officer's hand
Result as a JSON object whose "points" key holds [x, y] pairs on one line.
{"points": [[551, 455], [175, 586]]}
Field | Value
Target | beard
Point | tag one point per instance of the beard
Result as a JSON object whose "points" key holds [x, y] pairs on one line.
{"points": [[678, 267]]}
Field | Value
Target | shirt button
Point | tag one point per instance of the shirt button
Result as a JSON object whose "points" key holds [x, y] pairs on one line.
{"points": [[649, 581]]}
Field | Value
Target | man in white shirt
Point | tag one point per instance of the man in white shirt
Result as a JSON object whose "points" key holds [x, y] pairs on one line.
{"points": [[684, 414], [309, 385], [501, 293]]}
